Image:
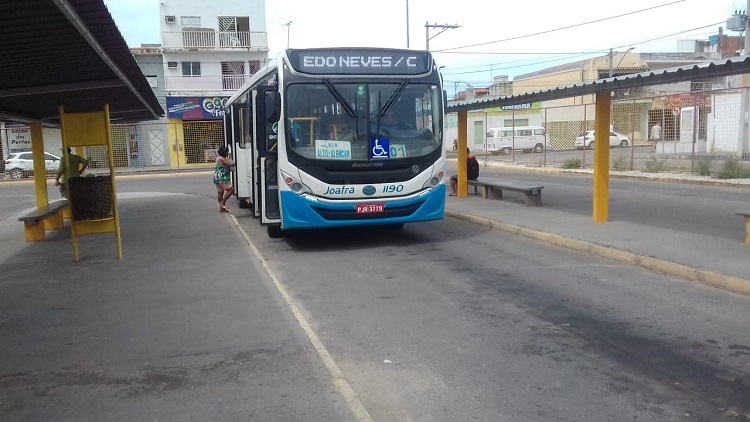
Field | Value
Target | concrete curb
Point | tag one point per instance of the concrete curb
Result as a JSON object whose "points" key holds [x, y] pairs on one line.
{"points": [[634, 174], [708, 277]]}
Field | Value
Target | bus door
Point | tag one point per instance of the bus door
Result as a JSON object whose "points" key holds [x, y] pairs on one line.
{"points": [[238, 138], [266, 116]]}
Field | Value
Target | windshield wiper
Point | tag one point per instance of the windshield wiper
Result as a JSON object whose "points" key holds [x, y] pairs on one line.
{"points": [[394, 97], [340, 98]]}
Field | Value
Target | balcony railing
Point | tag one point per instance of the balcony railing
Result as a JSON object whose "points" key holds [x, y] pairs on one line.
{"points": [[205, 83], [209, 39]]}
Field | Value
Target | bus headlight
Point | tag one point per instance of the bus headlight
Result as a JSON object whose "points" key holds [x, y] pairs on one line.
{"points": [[295, 185], [435, 180]]}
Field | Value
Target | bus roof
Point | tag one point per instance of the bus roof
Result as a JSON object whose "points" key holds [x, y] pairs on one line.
{"points": [[346, 61], [261, 73], [359, 61]]}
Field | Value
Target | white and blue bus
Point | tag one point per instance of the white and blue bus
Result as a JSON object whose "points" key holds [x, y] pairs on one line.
{"points": [[337, 137]]}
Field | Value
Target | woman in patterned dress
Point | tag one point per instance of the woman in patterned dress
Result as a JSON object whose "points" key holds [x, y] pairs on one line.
{"points": [[222, 179]]}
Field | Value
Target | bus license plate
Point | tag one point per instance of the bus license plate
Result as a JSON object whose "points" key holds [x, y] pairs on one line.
{"points": [[369, 208]]}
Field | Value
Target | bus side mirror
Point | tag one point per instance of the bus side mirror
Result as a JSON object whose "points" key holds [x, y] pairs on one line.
{"points": [[272, 106]]}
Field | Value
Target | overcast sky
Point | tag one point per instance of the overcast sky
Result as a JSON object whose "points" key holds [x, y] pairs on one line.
{"points": [[494, 37]]}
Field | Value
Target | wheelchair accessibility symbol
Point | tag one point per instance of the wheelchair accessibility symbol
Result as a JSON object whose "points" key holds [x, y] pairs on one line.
{"points": [[380, 148]]}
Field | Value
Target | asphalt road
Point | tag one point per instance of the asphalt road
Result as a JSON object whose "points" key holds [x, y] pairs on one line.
{"points": [[448, 321]]}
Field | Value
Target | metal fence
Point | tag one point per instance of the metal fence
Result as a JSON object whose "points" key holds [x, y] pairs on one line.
{"points": [[701, 131], [135, 147]]}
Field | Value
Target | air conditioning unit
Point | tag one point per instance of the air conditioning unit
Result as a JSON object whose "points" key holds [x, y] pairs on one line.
{"points": [[170, 19], [172, 65]]}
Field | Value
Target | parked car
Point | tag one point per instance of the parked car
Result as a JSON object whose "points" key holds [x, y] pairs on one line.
{"points": [[586, 140], [524, 138], [21, 164]]}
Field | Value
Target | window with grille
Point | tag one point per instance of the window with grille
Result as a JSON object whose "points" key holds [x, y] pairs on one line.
{"points": [[191, 68], [254, 65], [234, 31], [232, 75], [234, 23]]}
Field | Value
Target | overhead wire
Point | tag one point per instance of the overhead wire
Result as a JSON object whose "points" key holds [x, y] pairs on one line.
{"points": [[562, 28], [567, 56]]}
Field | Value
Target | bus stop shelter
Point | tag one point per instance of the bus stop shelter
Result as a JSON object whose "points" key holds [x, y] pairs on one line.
{"points": [[602, 89], [67, 55]]}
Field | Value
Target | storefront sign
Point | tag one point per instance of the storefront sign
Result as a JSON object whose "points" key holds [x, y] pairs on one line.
{"points": [[19, 139], [689, 100], [524, 106], [196, 108]]}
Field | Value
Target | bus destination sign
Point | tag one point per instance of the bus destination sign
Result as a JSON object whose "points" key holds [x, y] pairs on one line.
{"points": [[360, 61]]}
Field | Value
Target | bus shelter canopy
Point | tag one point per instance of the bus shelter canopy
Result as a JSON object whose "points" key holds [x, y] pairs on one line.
{"points": [[702, 71], [68, 53]]}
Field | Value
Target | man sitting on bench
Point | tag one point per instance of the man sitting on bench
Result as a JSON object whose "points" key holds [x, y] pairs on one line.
{"points": [[472, 172]]}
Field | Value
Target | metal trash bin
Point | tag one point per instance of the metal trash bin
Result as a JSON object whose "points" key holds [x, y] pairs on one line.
{"points": [[90, 197]]}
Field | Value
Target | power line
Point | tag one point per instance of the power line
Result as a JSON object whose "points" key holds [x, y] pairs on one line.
{"points": [[564, 27], [525, 63]]}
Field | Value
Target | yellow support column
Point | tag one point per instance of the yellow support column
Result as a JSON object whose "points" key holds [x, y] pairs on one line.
{"points": [[462, 182], [601, 156], [40, 174], [115, 210]]}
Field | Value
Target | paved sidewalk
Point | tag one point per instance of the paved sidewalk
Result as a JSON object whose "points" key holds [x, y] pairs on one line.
{"points": [[718, 261], [180, 329]]}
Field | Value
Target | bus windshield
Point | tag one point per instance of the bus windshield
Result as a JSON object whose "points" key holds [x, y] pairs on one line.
{"points": [[356, 121]]}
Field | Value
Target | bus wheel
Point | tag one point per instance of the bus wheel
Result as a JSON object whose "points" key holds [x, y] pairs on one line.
{"points": [[506, 151], [538, 148], [274, 232]]}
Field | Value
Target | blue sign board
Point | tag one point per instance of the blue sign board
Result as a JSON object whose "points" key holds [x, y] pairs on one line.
{"points": [[196, 108]]}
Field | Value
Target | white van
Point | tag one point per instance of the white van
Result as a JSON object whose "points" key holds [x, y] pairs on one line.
{"points": [[503, 140]]}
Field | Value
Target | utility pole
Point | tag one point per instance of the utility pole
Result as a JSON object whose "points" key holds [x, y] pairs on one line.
{"points": [[289, 25], [611, 58], [744, 142], [407, 23], [444, 28]]}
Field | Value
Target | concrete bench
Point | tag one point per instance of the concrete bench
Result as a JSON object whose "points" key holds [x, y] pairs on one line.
{"points": [[49, 217], [746, 214], [493, 189]]}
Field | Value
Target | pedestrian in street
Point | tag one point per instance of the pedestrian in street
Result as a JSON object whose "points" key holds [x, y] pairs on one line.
{"points": [[224, 188], [69, 169], [472, 172], [656, 134]]}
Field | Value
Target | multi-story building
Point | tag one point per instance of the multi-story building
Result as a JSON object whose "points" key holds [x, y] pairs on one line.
{"points": [[209, 49]]}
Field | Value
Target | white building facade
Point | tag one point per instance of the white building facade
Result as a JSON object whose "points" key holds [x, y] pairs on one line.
{"points": [[209, 50]]}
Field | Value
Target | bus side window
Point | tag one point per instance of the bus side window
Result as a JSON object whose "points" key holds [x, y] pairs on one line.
{"points": [[247, 125], [241, 114]]}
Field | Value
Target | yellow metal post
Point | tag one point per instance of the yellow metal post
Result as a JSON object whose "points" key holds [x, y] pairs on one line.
{"points": [[40, 173], [601, 156], [462, 182], [115, 210]]}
